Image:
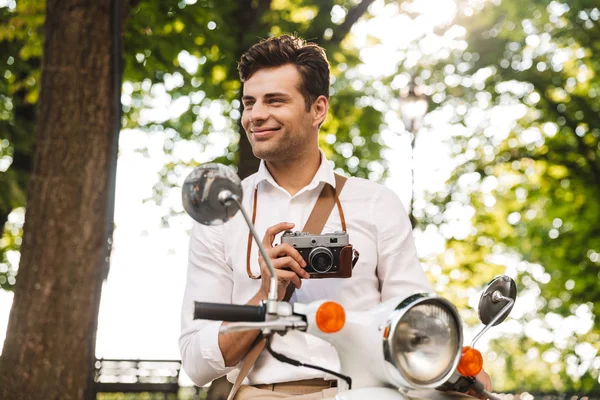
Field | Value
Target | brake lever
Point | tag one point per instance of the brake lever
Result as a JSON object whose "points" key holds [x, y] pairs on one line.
{"points": [[278, 325]]}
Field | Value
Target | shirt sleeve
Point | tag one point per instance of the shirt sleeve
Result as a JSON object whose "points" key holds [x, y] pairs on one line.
{"points": [[398, 268], [209, 279]]}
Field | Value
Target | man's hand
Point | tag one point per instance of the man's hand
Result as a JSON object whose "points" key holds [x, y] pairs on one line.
{"points": [[287, 261], [289, 266], [484, 378], [483, 383]]}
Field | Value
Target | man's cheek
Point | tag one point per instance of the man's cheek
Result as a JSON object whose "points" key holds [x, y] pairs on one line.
{"points": [[245, 126]]}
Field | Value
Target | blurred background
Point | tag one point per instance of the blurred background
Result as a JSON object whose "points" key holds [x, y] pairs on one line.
{"points": [[482, 115]]}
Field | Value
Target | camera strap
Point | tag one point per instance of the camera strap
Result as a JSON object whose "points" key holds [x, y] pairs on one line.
{"points": [[319, 215], [324, 205]]}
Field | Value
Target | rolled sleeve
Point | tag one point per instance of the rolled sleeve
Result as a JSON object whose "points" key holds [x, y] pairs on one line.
{"points": [[200, 353], [209, 279], [398, 268]]}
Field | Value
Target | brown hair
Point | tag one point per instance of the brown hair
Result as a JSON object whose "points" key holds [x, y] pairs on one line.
{"points": [[309, 58]]}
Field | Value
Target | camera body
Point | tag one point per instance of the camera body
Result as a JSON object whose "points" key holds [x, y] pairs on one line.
{"points": [[327, 255]]}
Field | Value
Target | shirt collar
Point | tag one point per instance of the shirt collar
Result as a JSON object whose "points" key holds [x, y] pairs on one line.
{"points": [[324, 174]]}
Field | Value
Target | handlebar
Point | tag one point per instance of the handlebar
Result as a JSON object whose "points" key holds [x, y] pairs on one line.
{"points": [[229, 312]]}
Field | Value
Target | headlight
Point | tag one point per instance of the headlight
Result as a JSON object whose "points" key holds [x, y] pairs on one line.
{"points": [[422, 342]]}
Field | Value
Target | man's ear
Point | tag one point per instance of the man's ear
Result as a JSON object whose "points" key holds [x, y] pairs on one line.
{"points": [[319, 110]]}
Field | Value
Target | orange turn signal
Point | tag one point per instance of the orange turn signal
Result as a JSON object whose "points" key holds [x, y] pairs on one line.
{"points": [[386, 332], [330, 317], [471, 362]]}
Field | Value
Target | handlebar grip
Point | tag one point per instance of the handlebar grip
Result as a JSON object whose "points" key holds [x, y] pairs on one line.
{"points": [[229, 312]]}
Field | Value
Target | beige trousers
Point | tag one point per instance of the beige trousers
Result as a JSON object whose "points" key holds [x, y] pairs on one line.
{"points": [[312, 389]]}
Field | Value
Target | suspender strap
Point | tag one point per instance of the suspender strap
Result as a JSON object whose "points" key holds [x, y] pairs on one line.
{"points": [[315, 224], [251, 357], [324, 205]]}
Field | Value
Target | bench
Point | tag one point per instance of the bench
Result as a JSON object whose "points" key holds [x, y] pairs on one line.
{"points": [[137, 376]]}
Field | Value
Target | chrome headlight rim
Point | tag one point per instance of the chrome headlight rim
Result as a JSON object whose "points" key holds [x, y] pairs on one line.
{"points": [[395, 372]]}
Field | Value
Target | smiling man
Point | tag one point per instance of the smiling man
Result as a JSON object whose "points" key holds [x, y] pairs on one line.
{"points": [[283, 109], [285, 97]]}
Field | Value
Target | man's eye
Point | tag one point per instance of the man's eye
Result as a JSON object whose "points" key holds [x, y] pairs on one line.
{"points": [[273, 101], [248, 104]]}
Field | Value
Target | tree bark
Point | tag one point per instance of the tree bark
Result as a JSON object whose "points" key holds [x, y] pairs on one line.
{"points": [[49, 344]]}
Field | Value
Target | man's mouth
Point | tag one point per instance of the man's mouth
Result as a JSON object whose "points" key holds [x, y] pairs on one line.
{"points": [[263, 132]]}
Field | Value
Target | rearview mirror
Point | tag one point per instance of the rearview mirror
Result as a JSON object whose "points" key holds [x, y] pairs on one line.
{"points": [[203, 190], [499, 294]]}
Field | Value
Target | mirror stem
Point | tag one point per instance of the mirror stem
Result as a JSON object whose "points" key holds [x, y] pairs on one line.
{"points": [[226, 197], [496, 298]]}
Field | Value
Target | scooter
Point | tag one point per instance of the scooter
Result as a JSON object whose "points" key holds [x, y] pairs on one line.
{"points": [[413, 346]]}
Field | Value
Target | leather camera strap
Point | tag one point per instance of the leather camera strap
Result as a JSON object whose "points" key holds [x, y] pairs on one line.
{"points": [[324, 205], [317, 218], [251, 357], [328, 197]]}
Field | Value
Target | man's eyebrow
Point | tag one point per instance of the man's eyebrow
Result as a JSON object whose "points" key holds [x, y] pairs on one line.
{"points": [[267, 95], [276, 94]]}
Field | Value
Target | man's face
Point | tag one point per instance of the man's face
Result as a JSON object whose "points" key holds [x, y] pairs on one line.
{"points": [[275, 117]]}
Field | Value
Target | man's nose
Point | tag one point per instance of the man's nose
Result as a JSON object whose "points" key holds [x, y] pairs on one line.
{"points": [[258, 113]]}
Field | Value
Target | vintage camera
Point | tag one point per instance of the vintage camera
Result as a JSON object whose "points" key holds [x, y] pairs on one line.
{"points": [[327, 256]]}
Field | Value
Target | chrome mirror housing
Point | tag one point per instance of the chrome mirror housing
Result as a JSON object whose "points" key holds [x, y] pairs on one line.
{"points": [[497, 300], [207, 193]]}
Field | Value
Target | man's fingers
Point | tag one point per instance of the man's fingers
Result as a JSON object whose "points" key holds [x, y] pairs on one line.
{"points": [[264, 270], [282, 275], [286, 264], [273, 231], [286, 256], [291, 264], [484, 378], [286, 249], [289, 276]]}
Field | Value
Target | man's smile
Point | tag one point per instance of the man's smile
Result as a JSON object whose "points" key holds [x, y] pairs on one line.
{"points": [[263, 132]]}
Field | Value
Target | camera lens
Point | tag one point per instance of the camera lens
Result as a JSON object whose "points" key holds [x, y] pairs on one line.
{"points": [[320, 259]]}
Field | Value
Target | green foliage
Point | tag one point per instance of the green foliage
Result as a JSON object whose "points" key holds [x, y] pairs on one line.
{"points": [[189, 54], [21, 47], [180, 85], [534, 185]]}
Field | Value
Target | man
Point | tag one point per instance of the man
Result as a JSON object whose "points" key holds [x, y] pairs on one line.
{"points": [[285, 97]]}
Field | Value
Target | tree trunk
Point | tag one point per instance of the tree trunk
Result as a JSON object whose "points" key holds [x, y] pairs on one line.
{"points": [[49, 346]]}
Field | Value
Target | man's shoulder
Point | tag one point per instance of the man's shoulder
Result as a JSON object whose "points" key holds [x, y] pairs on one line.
{"points": [[362, 182], [361, 189], [362, 185]]}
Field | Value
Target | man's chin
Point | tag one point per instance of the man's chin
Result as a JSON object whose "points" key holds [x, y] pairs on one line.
{"points": [[267, 154]]}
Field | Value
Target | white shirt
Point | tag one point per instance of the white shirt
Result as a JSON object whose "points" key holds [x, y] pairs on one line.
{"points": [[378, 227]]}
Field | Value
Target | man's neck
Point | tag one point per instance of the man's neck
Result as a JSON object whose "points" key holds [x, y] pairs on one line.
{"points": [[293, 175]]}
